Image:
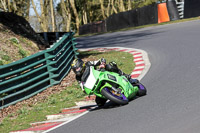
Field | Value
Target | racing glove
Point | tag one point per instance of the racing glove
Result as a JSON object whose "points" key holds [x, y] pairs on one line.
{"points": [[103, 63]]}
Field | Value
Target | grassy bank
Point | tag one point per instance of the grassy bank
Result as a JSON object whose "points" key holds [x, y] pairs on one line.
{"points": [[29, 113]]}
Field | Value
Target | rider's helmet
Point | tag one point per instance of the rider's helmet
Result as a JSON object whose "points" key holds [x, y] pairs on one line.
{"points": [[78, 66]]}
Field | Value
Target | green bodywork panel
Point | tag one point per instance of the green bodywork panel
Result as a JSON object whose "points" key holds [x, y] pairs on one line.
{"points": [[107, 79]]}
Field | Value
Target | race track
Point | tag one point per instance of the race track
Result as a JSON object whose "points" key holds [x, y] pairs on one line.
{"points": [[172, 104]]}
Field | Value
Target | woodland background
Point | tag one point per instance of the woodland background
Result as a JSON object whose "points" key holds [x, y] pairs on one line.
{"points": [[68, 15]]}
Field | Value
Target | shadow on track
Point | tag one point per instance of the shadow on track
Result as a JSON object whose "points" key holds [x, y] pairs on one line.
{"points": [[120, 38]]}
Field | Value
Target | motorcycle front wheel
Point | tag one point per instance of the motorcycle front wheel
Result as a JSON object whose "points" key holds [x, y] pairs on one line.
{"points": [[142, 90], [118, 98]]}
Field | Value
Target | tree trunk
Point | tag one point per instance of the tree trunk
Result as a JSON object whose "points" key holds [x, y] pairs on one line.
{"points": [[42, 19], [75, 14], [4, 6], [113, 7], [9, 6], [102, 9], [85, 21], [129, 5], [14, 5], [52, 16], [108, 9], [69, 22], [27, 10], [35, 10], [66, 14], [121, 6]]}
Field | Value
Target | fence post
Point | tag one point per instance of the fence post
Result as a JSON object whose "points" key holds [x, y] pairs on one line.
{"points": [[74, 46], [49, 67]]}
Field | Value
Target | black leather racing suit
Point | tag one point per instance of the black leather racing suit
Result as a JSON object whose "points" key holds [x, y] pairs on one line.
{"points": [[108, 67]]}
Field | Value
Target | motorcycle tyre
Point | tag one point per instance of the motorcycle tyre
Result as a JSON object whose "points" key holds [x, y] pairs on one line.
{"points": [[112, 98], [141, 92]]}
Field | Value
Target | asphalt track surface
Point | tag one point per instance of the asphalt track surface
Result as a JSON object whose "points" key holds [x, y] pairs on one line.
{"points": [[172, 104]]}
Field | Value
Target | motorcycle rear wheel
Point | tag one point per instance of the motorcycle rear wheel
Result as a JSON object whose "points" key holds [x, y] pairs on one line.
{"points": [[117, 98]]}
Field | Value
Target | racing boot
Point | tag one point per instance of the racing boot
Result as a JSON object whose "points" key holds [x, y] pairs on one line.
{"points": [[100, 101]]}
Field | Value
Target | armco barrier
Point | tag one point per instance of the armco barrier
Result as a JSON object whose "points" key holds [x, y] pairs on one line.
{"points": [[24, 78]]}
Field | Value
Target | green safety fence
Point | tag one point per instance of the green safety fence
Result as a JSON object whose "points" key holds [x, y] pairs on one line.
{"points": [[27, 77]]}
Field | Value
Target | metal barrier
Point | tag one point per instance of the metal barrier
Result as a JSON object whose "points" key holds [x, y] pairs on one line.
{"points": [[27, 77]]}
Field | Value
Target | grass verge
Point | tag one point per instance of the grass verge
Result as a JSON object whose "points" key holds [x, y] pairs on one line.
{"points": [[22, 118]]}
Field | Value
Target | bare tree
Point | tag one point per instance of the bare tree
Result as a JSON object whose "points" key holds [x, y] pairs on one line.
{"points": [[43, 17], [121, 6], [85, 20], [108, 8], [113, 7], [53, 22], [129, 5], [19, 7], [66, 14], [72, 3], [102, 9]]}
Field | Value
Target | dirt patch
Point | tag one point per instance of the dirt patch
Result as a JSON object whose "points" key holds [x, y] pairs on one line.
{"points": [[40, 97], [20, 26], [14, 47]]}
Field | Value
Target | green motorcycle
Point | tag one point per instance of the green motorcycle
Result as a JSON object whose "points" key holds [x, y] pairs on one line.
{"points": [[112, 86]]}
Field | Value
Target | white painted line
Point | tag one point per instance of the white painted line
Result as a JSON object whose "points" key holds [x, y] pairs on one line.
{"points": [[140, 62], [147, 64], [139, 67], [136, 52], [84, 49], [85, 103], [22, 132], [137, 55], [75, 117], [129, 51], [136, 72], [52, 121], [138, 59], [59, 116]]}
